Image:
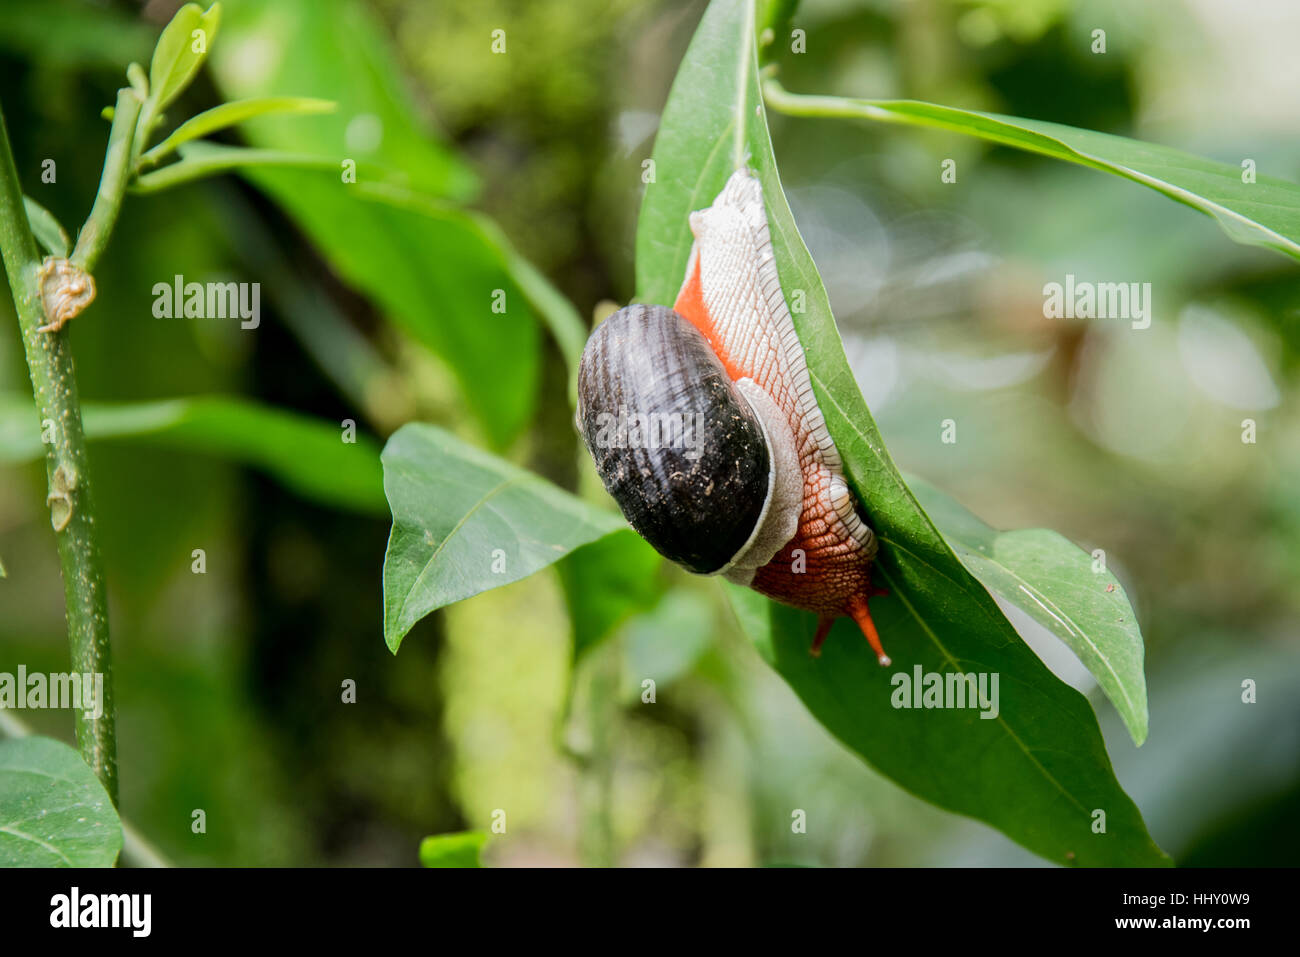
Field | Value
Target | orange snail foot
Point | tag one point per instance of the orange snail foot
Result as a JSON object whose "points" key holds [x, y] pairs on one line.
{"points": [[857, 609]]}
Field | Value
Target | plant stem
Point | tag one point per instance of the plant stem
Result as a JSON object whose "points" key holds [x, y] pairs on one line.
{"points": [[54, 388], [112, 183], [782, 100], [596, 842]]}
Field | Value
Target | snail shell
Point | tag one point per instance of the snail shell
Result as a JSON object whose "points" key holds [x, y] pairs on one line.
{"points": [[685, 451], [759, 494]]}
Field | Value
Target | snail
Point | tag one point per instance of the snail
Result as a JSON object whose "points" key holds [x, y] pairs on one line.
{"points": [[704, 428]]}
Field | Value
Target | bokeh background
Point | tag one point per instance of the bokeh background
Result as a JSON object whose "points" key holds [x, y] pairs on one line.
{"points": [[1130, 441]]}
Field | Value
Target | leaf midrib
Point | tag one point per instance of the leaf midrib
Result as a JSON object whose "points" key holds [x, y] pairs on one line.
{"points": [[24, 836], [1022, 134], [952, 661], [922, 622]]}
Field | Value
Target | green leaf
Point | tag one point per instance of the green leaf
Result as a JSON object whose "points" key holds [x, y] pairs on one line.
{"points": [[606, 583], [181, 50], [53, 810], [135, 76], [1037, 771], [1052, 580], [453, 850], [47, 230], [307, 455], [445, 276], [441, 274], [336, 50], [200, 160], [1263, 213], [465, 521], [229, 114]]}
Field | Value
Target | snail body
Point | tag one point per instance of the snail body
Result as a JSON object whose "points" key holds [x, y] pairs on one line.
{"points": [[705, 430]]}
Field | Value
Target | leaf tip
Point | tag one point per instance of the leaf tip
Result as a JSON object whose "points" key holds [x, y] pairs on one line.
{"points": [[395, 629]]}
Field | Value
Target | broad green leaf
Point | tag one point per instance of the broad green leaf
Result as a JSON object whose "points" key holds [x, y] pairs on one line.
{"points": [[307, 455], [1037, 771], [1261, 213], [453, 850], [465, 521], [444, 275], [441, 275], [230, 114], [335, 50], [607, 582], [181, 50], [1052, 580], [47, 230], [53, 810], [448, 277]]}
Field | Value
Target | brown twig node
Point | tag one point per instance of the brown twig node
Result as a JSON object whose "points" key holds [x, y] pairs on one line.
{"points": [[62, 485], [66, 289]]}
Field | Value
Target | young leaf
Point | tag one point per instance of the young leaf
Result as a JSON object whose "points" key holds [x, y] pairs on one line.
{"points": [[200, 160], [465, 521], [47, 230], [1259, 210], [181, 50], [229, 114], [53, 810], [1038, 770], [307, 455], [135, 76], [1054, 581], [453, 850]]}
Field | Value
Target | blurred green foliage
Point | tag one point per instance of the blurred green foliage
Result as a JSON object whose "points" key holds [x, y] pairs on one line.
{"points": [[229, 683]]}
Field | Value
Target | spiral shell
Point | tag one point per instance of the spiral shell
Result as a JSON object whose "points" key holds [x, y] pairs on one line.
{"points": [[675, 442]]}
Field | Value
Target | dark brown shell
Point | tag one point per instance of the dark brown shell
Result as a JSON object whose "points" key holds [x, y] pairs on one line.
{"points": [[698, 496]]}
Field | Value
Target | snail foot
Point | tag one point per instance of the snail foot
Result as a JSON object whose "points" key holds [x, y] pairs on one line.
{"points": [[823, 629]]}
